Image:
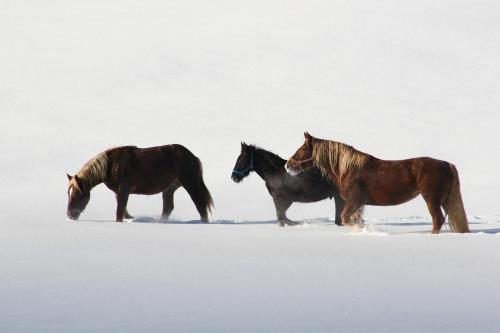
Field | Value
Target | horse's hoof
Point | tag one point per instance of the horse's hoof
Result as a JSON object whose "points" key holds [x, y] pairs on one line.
{"points": [[291, 223]]}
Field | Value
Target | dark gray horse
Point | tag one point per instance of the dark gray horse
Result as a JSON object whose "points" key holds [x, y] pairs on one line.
{"points": [[308, 186]]}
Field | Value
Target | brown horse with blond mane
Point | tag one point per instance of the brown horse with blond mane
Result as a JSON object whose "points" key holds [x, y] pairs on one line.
{"points": [[131, 170], [363, 179]]}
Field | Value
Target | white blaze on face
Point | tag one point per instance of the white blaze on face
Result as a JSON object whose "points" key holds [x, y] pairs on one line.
{"points": [[73, 185]]}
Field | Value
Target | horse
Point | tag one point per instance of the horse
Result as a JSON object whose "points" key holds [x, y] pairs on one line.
{"points": [[285, 189], [130, 170], [363, 179]]}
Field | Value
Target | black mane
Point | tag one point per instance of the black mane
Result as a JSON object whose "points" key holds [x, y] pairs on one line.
{"points": [[271, 158]]}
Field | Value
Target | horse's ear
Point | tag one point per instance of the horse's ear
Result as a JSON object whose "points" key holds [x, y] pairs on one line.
{"points": [[243, 145], [79, 183], [307, 136], [69, 177]]}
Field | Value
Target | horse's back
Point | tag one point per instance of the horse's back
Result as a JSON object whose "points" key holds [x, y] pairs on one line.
{"points": [[411, 167], [168, 155], [149, 170], [391, 182]]}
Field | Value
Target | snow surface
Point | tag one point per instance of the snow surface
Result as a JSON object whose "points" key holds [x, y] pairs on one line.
{"points": [[396, 79], [97, 276]]}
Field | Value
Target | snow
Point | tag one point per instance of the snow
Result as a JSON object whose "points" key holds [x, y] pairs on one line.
{"points": [[396, 79], [248, 277]]}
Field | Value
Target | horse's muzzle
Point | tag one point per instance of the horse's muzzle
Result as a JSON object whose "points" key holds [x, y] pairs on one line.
{"points": [[292, 169], [74, 214], [236, 178]]}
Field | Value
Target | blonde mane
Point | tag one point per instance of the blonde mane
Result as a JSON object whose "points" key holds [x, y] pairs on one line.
{"points": [[337, 157], [92, 173]]}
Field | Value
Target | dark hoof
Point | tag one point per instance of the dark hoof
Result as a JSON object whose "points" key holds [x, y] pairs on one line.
{"points": [[288, 223]]}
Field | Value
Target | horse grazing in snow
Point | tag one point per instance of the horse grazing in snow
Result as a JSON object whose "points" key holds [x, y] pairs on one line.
{"points": [[363, 179], [285, 189], [131, 170]]}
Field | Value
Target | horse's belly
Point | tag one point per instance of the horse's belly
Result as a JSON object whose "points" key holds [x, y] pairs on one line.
{"points": [[148, 191], [152, 186], [390, 183], [391, 198], [305, 194]]}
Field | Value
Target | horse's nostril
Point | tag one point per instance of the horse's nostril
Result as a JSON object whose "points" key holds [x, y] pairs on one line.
{"points": [[74, 214]]}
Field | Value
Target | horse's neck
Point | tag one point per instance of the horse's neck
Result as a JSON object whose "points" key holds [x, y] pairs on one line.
{"points": [[93, 172], [265, 169], [90, 182]]}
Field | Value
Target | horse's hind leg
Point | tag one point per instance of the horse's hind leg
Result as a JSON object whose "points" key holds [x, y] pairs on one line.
{"points": [[281, 208], [196, 195], [434, 207], [168, 201]]}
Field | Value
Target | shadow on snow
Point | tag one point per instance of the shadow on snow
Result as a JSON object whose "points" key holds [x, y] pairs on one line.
{"points": [[313, 221]]}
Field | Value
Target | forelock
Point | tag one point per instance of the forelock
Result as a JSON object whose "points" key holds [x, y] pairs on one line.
{"points": [[73, 186]]}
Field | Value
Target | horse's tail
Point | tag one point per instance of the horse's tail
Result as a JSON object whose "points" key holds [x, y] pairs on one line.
{"points": [[206, 197], [454, 205]]}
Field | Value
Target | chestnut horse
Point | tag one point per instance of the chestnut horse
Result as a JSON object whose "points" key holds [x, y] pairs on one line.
{"points": [[131, 170], [363, 179]]}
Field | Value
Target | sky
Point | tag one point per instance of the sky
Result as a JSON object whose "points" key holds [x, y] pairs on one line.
{"points": [[396, 79]]}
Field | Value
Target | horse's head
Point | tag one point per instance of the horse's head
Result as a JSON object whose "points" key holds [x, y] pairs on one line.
{"points": [[302, 159], [244, 164], [78, 197]]}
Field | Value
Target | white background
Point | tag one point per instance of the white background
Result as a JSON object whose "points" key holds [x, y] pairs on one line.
{"points": [[395, 79]]}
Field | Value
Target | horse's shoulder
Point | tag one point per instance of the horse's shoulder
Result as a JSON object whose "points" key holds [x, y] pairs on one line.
{"points": [[122, 158]]}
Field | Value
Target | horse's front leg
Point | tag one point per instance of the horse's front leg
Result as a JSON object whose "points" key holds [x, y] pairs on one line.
{"points": [[127, 215], [339, 207], [121, 207], [350, 208], [436, 213]]}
